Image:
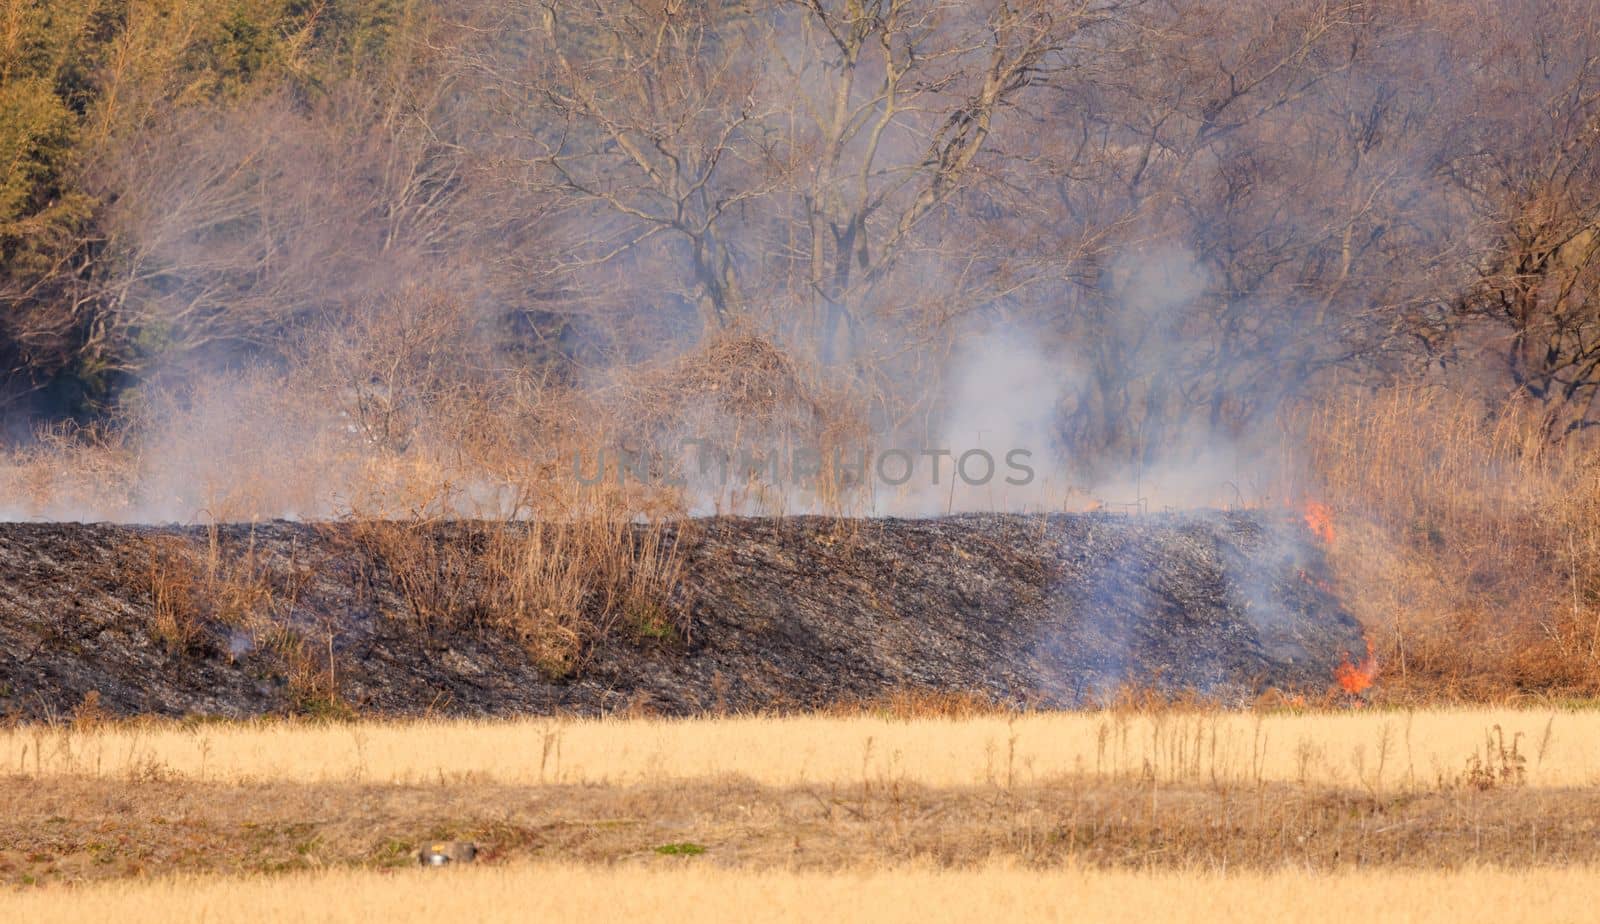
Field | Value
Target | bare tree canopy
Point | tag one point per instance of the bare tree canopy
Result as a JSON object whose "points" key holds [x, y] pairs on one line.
{"points": [[1197, 210]]}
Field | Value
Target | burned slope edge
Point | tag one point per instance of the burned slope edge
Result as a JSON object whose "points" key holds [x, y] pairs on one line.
{"points": [[780, 614]]}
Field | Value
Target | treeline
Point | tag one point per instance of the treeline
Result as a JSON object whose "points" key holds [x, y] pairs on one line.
{"points": [[102, 103], [1195, 211]]}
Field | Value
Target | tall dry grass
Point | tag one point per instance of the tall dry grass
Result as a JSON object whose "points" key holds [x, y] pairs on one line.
{"points": [[1425, 750], [1466, 540], [558, 586], [199, 586]]}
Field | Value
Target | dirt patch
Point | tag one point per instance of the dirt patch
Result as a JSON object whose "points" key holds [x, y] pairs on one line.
{"points": [[769, 615]]}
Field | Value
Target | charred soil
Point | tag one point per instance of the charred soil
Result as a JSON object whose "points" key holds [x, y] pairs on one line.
{"points": [[765, 615]]}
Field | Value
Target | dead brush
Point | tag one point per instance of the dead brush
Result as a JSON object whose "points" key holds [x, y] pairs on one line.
{"points": [[241, 592], [436, 576], [543, 582], [565, 585], [192, 588], [745, 375], [172, 579], [755, 405], [1468, 543], [72, 469], [558, 586], [311, 675], [1497, 766]]}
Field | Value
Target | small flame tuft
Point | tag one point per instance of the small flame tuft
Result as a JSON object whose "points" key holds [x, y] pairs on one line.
{"points": [[1319, 518], [1356, 678]]}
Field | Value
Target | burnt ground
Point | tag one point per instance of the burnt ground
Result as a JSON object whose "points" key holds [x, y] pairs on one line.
{"points": [[780, 615]]}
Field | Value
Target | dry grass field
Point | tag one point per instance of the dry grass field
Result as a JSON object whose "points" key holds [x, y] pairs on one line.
{"points": [[421, 354], [666, 890], [1367, 750], [1448, 814]]}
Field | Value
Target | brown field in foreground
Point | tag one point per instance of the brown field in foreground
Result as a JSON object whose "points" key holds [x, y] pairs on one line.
{"points": [[672, 890], [1118, 815], [79, 830], [1363, 750]]}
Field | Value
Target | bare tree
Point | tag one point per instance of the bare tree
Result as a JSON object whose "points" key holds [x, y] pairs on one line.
{"points": [[1529, 164], [791, 149], [1261, 172]]}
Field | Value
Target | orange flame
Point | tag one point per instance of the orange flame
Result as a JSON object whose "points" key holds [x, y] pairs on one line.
{"points": [[1319, 518], [1356, 678]]}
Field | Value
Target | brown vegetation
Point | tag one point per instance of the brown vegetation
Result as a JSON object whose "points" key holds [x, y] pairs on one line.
{"points": [[1153, 792], [406, 313], [405, 262], [557, 587], [81, 830], [1467, 543]]}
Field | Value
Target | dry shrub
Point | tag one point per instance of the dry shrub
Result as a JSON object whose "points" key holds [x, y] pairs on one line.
{"points": [[558, 586], [564, 585], [241, 592], [172, 581], [192, 589], [742, 374], [755, 404], [435, 575], [545, 583], [71, 472], [1466, 541], [90, 713], [313, 682], [257, 604], [1499, 765]]}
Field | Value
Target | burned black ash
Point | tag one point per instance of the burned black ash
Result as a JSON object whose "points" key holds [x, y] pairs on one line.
{"points": [[780, 614]]}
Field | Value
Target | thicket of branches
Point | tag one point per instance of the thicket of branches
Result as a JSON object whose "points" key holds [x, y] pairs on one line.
{"points": [[404, 259], [1202, 208]]}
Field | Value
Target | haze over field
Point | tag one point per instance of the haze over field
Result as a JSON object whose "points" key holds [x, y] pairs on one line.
{"points": [[289, 259], [862, 384]]}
